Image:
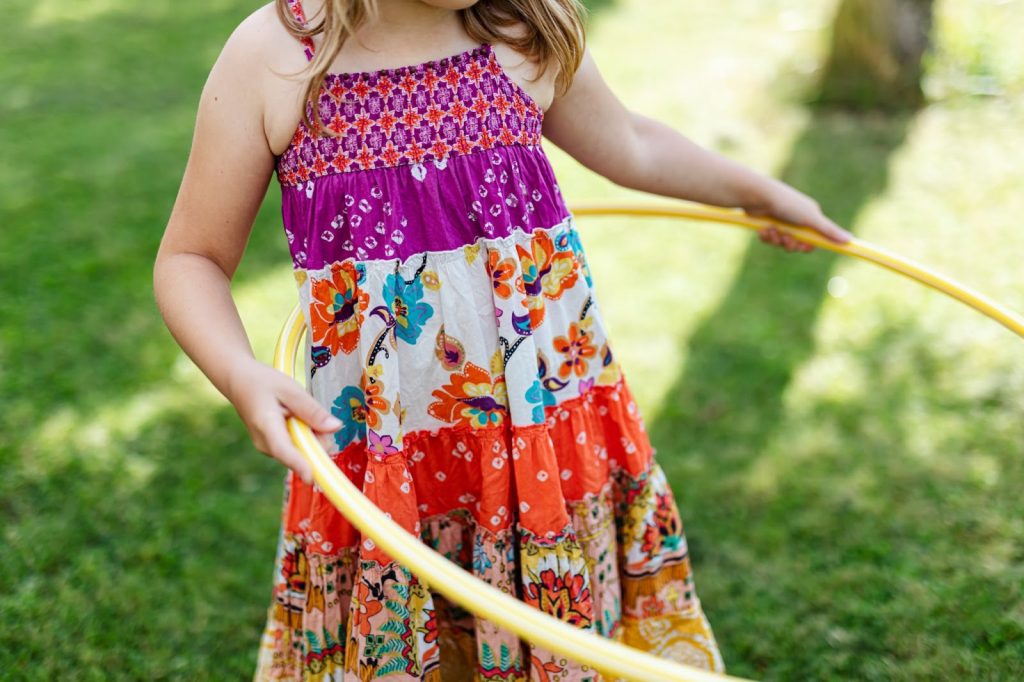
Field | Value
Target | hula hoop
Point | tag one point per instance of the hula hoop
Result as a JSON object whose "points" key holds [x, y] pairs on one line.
{"points": [[855, 247], [603, 654]]}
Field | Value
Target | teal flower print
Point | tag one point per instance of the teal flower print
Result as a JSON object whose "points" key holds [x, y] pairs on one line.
{"points": [[405, 301], [481, 562], [350, 408], [535, 395], [577, 248]]}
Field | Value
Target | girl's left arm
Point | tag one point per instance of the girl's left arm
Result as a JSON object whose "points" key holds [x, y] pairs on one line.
{"points": [[632, 150]]}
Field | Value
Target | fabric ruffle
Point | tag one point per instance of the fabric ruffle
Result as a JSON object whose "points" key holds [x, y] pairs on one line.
{"points": [[618, 565]]}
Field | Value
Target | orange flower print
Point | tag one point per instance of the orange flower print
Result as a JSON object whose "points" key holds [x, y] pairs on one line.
{"points": [[576, 348], [429, 628], [471, 399], [565, 596], [652, 540], [376, 403], [666, 518], [654, 606], [315, 599], [336, 308], [547, 272], [296, 571], [369, 607], [501, 272]]}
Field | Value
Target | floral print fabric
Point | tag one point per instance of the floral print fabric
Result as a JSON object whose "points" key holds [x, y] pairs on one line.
{"points": [[455, 332]]}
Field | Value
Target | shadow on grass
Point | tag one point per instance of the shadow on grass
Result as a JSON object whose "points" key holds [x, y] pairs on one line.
{"points": [[728, 402], [727, 406], [150, 560], [870, 537], [728, 399], [147, 556], [100, 131], [815, 580]]}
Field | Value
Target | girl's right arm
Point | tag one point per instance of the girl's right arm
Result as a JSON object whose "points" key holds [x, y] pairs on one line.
{"points": [[225, 181]]}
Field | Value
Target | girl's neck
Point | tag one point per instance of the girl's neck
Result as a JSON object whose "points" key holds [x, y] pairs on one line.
{"points": [[405, 32], [399, 22]]}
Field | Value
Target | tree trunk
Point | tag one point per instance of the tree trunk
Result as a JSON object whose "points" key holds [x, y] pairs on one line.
{"points": [[877, 48]]}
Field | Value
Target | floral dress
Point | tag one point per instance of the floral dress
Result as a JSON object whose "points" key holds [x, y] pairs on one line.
{"points": [[455, 332]]}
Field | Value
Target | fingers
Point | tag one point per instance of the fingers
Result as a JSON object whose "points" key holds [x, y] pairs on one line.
{"points": [[789, 206], [305, 407], [272, 439], [270, 399], [283, 450], [774, 236], [832, 231]]}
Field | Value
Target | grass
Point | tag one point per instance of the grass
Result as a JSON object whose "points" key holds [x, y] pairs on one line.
{"points": [[848, 467]]}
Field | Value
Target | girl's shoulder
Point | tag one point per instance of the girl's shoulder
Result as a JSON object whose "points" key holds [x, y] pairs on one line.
{"points": [[279, 49], [262, 41], [538, 82], [261, 53]]}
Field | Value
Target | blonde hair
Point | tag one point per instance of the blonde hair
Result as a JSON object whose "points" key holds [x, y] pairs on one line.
{"points": [[554, 35]]}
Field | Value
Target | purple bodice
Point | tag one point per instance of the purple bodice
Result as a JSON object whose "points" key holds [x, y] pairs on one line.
{"points": [[428, 157]]}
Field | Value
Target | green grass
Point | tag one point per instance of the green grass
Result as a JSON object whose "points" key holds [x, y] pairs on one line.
{"points": [[848, 468]]}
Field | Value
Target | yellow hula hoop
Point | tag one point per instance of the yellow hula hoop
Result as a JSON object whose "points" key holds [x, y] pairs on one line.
{"points": [[855, 247], [604, 654]]}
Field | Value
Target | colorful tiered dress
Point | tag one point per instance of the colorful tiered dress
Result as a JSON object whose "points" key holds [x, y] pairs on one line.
{"points": [[455, 331]]}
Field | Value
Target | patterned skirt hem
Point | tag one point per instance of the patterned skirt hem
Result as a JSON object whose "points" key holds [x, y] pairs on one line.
{"points": [[607, 554]]}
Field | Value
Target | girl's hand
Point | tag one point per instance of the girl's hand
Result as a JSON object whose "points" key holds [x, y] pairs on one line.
{"points": [[786, 204], [264, 397]]}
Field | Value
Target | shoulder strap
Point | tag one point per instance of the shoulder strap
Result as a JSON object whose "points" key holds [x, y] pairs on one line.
{"points": [[307, 42]]}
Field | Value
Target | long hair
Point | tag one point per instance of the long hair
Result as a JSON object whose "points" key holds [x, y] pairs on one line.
{"points": [[554, 36]]}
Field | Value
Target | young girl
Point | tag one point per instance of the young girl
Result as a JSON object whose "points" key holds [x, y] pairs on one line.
{"points": [[458, 365]]}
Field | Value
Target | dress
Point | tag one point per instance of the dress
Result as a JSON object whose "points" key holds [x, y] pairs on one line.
{"points": [[455, 332]]}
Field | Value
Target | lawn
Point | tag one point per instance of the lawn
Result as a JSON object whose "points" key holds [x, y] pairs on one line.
{"points": [[848, 464]]}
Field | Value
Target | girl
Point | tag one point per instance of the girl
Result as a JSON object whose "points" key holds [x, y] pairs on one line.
{"points": [[459, 369]]}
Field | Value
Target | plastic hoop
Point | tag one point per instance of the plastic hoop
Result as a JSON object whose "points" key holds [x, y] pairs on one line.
{"points": [[604, 654], [855, 247]]}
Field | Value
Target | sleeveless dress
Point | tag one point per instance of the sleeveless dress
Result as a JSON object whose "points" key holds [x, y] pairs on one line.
{"points": [[455, 331]]}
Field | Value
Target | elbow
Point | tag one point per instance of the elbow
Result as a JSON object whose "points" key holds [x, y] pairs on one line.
{"points": [[161, 261], [632, 166], [167, 265]]}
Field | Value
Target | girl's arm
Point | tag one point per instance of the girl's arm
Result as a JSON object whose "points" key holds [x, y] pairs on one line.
{"points": [[635, 151], [225, 180]]}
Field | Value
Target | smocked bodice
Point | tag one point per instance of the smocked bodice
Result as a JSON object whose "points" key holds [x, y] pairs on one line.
{"points": [[410, 115]]}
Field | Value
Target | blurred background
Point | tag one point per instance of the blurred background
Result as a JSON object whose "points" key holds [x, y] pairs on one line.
{"points": [[845, 445]]}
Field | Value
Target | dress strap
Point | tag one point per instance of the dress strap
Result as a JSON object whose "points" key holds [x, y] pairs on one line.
{"points": [[307, 42]]}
